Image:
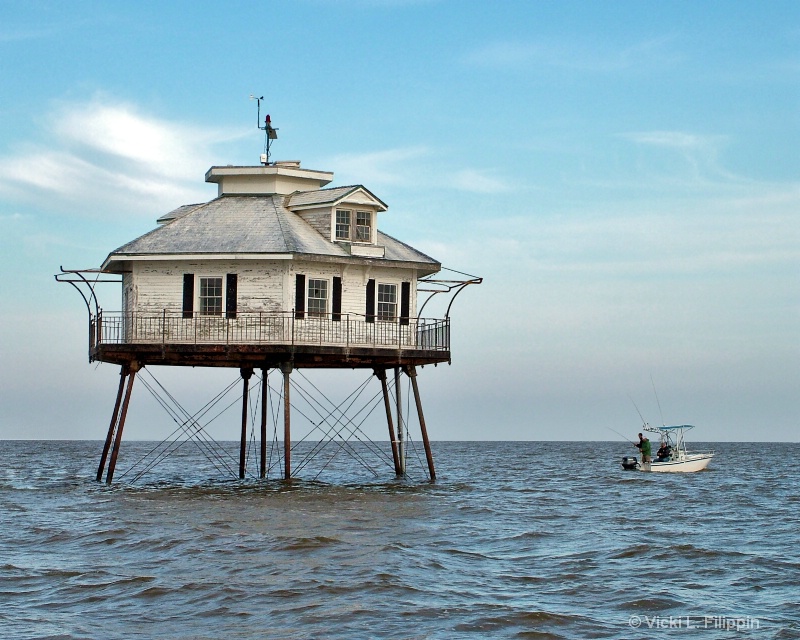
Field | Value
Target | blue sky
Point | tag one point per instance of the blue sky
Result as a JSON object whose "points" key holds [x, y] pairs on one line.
{"points": [[624, 176]]}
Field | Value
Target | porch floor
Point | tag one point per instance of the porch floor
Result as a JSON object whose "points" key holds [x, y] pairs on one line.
{"points": [[263, 355]]}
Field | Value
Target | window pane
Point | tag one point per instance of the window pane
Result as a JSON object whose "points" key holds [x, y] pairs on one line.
{"points": [[317, 297], [363, 226], [211, 296], [387, 301], [342, 224]]}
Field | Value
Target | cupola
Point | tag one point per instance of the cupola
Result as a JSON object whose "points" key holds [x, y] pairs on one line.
{"points": [[279, 178]]}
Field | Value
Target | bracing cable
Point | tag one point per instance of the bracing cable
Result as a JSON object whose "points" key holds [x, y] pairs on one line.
{"points": [[341, 423], [352, 427], [194, 432]]}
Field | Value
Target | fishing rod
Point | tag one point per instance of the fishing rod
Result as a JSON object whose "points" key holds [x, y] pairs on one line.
{"points": [[645, 424], [657, 401], [621, 436]]}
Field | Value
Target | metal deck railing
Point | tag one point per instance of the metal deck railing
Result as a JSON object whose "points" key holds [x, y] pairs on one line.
{"points": [[289, 328]]}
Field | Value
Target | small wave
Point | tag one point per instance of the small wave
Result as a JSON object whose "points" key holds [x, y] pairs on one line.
{"points": [[526, 579], [153, 592], [528, 624], [634, 551], [465, 553], [652, 604], [530, 535], [299, 544], [690, 551]]}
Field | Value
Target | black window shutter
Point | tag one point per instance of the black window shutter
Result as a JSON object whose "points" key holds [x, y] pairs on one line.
{"points": [[300, 296], [337, 299], [188, 295], [405, 300], [231, 282], [370, 312]]}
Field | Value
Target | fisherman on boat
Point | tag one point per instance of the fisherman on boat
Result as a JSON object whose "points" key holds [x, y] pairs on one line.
{"points": [[672, 454], [644, 446], [664, 452]]}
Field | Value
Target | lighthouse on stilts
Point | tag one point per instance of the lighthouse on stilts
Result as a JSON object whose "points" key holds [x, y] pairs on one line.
{"points": [[277, 274]]}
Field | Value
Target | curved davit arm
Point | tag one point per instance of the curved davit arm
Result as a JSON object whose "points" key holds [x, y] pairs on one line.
{"points": [[85, 285], [440, 285]]}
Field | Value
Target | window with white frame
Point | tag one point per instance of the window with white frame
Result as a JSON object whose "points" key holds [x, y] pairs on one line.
{"points": [[387, 302], [343, 224], [210, 295], [363, 226], [353, 226], [317, 297]]}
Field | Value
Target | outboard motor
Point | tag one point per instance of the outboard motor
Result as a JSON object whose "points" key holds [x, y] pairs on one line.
{"points": [[630, 463]]}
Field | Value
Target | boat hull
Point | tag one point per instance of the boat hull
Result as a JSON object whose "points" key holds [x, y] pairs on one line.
{"points": [[689, 464]]}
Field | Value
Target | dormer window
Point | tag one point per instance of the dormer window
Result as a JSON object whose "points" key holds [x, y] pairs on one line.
{"points": [[363, 226], [353, 226], [343, 224]]}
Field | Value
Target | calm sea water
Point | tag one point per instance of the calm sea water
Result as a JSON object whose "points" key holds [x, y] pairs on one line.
{"points": [[514, 540]]}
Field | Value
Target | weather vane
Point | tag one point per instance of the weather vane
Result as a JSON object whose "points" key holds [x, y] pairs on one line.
{"points": [[270, 133]]}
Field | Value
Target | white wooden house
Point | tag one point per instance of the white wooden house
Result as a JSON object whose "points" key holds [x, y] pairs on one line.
{"points": [[275, 258]]}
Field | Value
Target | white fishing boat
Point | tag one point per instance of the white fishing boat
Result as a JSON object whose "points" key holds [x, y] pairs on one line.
{"points": [[677, 460]]}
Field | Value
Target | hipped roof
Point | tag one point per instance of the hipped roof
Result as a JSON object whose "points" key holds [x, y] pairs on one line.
{"points": [[251, 224]]}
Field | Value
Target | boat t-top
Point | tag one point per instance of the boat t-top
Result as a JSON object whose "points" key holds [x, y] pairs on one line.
{"points": [[676, 458]]}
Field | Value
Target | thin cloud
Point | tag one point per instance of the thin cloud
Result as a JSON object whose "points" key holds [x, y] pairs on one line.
{"points": [[19, 35], [712, 237], [119, 131], [672, 139], [380, 168], [700, 153], [520, 55], [476, 181], [373, 4], [109, 155], [412, 165], [12, 217], [47, 27]]}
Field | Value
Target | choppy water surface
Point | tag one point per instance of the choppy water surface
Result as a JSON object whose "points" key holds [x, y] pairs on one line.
{"points": [[514, 540]]}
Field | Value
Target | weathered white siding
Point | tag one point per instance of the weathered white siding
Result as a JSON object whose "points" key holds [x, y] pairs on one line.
{"points": [[158, 286], [128, 293], [266, 286]]}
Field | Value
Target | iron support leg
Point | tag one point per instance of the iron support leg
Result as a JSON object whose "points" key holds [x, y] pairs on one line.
{"points": [[287, 431], [264, 388], [412, 373], [381, 373], [401, 445], [123, 374], [134, 367], [246, 373]]}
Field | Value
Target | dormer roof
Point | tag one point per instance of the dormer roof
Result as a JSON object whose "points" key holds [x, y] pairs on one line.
{"points": [[355, 194]]}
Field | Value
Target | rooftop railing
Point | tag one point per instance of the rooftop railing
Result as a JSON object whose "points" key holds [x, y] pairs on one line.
{"points": [[289, 328]]}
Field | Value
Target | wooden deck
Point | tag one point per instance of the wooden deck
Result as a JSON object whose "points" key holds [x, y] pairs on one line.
{"points": [[267, 340]]}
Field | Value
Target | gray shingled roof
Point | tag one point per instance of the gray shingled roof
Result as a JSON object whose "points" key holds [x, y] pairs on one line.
{"points": [[242, 224]]}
